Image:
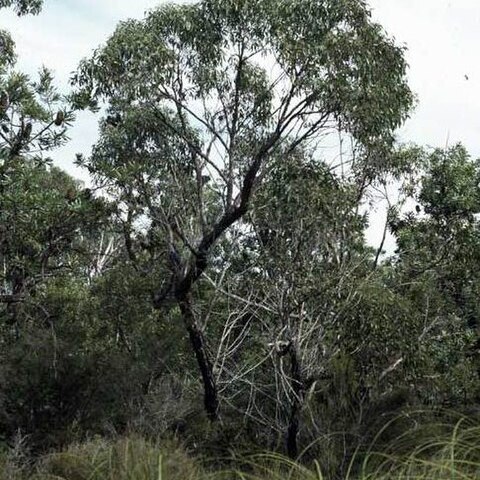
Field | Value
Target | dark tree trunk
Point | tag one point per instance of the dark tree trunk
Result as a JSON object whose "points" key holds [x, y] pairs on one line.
{"points": [[198, 343], [292, 432]]}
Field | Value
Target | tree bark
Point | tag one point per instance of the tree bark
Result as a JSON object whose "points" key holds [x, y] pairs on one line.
{"points": [[198, 343]]}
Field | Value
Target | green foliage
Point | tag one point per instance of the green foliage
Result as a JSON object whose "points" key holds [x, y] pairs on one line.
{"points": [[44, 214], [33, 117], [187, 53], [437, 248], [23, 7], [340, 61], [7, 51], [451, 186]]}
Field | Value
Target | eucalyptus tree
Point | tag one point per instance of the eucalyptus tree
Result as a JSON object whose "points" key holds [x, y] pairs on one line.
{"points": [[200, 98], [308, 257]]}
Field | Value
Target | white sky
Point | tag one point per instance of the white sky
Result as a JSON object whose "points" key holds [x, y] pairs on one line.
{"points": [[442, 36]]}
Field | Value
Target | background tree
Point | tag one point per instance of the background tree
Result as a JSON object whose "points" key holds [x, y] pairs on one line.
{"points": [[33, 121], [437, 251]]}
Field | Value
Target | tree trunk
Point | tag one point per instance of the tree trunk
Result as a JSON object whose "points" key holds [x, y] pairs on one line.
{"points": [[197, 341], [292, 432]]}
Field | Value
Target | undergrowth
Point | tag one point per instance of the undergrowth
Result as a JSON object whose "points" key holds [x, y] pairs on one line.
{"points": [[424, 452]]}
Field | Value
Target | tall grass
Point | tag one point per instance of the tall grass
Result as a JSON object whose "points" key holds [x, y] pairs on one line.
{"points": [[430, 452], [124, 459]]}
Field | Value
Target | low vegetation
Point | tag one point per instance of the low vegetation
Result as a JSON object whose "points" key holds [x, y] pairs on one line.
{"points": [[429, 452]]}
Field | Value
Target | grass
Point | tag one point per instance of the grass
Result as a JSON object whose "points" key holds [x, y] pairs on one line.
{"points": [[124, 459], [453, 454], [439, 452]]}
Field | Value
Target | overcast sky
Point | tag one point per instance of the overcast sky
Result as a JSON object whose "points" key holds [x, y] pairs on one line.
{"points": [[442, 37]]}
